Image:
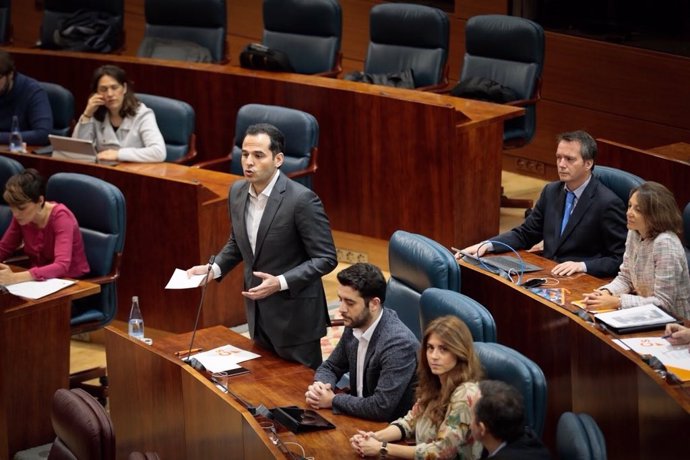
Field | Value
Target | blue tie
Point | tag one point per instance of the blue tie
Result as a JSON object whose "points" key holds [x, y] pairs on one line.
{"points": [[569, 199]]}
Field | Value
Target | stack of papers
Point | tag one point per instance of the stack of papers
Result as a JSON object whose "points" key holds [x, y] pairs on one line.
{"points": [[676, 359], [224, 358], [36, 289]]}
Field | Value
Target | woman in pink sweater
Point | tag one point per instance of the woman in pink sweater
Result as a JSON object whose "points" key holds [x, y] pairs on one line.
{"points": [[47, 232]]}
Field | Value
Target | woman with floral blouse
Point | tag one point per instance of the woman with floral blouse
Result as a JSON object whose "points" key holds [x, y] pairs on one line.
{"points": [[440, 420]]}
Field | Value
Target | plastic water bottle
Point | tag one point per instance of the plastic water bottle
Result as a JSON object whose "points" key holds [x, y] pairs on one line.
{"points": [[136, 321], [16, 142]]}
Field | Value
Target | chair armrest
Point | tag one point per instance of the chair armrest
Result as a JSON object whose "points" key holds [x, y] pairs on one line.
{"points": [[527, 102], [191, 152], [439, 87], [335, 71], [310, 169], [110, 277]]}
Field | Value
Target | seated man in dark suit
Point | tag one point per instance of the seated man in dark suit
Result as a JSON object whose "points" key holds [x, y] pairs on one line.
{"points": [[378, 350], [581, 221], [499, 424]]}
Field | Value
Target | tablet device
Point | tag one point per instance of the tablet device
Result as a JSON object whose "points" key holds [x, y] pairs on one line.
{"points": [[70, 148]]}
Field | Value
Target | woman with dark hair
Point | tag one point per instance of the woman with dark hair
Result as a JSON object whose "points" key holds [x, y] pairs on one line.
{"points": [[440, 420], [654, 268], [122, 128], [48, 231]]}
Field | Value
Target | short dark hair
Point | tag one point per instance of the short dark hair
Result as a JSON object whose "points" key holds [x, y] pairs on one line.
{"points": [[130, 103], [6, 63], [588, 146], [367, 279], [27, 186], [501, 410], [274, 134], [659, 208]]}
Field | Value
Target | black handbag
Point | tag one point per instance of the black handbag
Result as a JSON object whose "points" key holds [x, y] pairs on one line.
{"points": [[260, 57]]}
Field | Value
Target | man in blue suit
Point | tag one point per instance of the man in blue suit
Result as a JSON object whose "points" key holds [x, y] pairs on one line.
{"points": [[282, 234], [376, 348], [581, 221]]}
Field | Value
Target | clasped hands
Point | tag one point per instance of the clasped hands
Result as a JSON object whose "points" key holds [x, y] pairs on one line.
{"points": [[319, 395], [365, 443], [601, 299]]}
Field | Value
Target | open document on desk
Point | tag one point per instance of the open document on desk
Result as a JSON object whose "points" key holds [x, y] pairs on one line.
{"points": [[644, 317], [36, 289], [676, 358], [225, 358]]}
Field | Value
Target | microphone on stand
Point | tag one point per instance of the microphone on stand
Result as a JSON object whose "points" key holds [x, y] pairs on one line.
{"points": [[188, 358]]}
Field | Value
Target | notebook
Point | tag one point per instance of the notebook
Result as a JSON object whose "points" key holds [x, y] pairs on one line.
{"points": [[70, 148]]}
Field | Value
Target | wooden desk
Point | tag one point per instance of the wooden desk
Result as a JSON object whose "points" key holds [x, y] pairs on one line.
{"points": [[668, 164], [34, 363], [158, 403], [389, 158], [638, 412], [176, 217]]}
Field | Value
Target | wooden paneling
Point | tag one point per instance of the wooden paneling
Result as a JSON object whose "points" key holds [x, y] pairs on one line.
{"points": [[33, 365], [388, 156]]}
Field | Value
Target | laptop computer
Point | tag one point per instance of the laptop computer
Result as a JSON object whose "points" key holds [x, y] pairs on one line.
{"points": [[70, 148], [507, 264]]}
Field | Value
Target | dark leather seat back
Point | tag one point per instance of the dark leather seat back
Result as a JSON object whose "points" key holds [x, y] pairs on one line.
{"points": [[8, 168], [62, 107], [309, 32], [686, 230], [508, 50], [618, 181], [176, 121], [100, 210], [406, 36], [578, 437], [55, 11], [510, 366], [441, 302], [82, 426], [5, 21], [301, 131], [417, 263], [200, 22]]}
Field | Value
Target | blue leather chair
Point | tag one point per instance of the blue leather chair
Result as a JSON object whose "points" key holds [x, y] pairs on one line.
{"points": [[406, 36], [5, 21], [62, 107], [309, 32], [578, 437], [417, 263], [8, 168], [188, 30], [176, 121], [508, 50], [55, 11], [301, 131], [100, 210], [441, 302], [618, 181], [510, 366]]}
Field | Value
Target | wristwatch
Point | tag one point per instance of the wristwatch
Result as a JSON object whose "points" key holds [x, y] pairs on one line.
{"points": [[383, 452]]}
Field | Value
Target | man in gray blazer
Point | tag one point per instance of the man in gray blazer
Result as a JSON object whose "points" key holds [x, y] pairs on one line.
{"points": [[378, 350], [281, 232]]}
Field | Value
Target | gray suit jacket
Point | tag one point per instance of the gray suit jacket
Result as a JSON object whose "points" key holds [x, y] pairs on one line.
{"points": [[389, 371], [295, 240], [595, 233]]}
